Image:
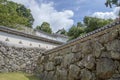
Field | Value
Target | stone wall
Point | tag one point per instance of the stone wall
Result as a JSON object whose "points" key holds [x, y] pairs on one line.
{"points": [[95, 56], [14, 59]]}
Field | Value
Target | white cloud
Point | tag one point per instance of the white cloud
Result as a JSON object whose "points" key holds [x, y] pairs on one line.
{"points": [[107, 15], [46, 12]]}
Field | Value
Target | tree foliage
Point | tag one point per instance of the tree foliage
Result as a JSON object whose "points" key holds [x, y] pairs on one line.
{"points": [[93, 23], [79, 24], [109, 3], [62, 32], [45, 27], [12, 14], [75, 31], [89, 24]]}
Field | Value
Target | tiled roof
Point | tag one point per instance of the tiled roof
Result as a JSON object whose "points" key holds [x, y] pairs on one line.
{"points": [[19, 33], [70, 43], [52, 35]]}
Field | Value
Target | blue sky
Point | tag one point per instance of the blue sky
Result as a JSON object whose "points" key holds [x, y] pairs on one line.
{"points": [[81, 8], [64, 13]]}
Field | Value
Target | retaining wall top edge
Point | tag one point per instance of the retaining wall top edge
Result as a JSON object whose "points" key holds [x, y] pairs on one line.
{"points": [[83, 37]]}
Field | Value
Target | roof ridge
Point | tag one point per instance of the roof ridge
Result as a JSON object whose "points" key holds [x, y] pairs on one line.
{"points": [[86, 35], [20, 33]]}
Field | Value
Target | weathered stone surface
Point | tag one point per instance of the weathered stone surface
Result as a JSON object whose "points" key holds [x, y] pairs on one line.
{"points": [[51, 57], [105, 55], [73, 72], [95, 57], [86, 47], [49, 66], [1, 61], [40, 69], [44, 75], [44, 59], [18, 59], [16, 67], [108, 37], [88, 62], [58, 60], [97, 49], [115, 55], [119, 69], [4, 70], [86, 75], [113, 46], [91, 58], [117, 64], [68, 59], [115, 77], [50, 75], [77, 56], [76, 48], [66, 51], [105, 68], [61, 74]]}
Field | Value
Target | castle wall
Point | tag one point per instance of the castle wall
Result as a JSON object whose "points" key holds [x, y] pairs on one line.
{"points": [[13, 59], [24, 41], [19, 51], [95, 56]]}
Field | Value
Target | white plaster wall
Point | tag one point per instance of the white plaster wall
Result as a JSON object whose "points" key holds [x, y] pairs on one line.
{"points": [[61, 39], [45, 36], [15, 40]]}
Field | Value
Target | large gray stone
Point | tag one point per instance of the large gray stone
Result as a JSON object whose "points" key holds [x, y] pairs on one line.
{"points": [[108, 37], [113, 46], [86, 47], [76, 48], [61, 74], [88, 62], [115, 77], [49, 66], [2, 61], [68, 59], [115, 55], [44, 75], [105, 54], [50, 75], [73, 72], [58, 60], [105, 68], [85, 75], [97, 49], [117, 65], [77, 56], [40, 68]]}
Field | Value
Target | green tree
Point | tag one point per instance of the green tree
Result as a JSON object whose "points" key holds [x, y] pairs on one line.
{"points": [[62, 31], [94, 23], [12, 14], [45, 27], [79, 24], [24, 12], [75, 31], [109, 3]]}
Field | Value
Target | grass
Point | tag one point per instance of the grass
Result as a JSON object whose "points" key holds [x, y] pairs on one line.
{"points": [[17, 76]]}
